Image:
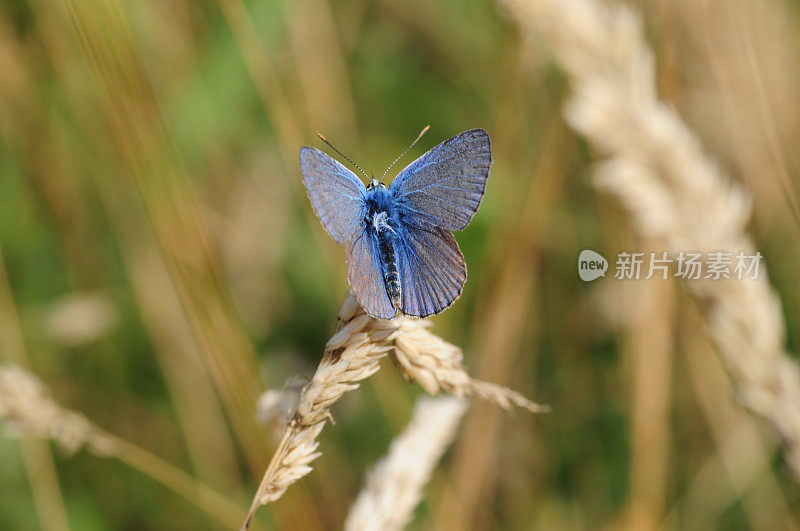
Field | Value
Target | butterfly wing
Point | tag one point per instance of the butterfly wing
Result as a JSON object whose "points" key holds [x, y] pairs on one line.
{"points": [[336, 194], [432, 270], [444, 187], [366, 276]]}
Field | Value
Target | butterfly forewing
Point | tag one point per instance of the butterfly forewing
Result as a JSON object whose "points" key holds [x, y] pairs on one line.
{"points": [[432, 270], [444, 187], [336, 194]]}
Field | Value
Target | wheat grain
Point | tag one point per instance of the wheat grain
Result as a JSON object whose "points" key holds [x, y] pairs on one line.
{"points": [[657, 168], [394, 485], [352, 355]]}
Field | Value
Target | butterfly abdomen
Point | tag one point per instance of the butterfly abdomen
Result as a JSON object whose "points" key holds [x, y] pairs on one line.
{"points": [[391, 275]]}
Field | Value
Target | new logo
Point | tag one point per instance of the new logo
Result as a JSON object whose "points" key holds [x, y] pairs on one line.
{"points": [[591, 265]]}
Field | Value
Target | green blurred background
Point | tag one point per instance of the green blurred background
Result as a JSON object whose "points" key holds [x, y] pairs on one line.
{"points": [[166, 266]]}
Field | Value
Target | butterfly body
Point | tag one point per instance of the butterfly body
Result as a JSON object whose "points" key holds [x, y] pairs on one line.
{"points": [[398, 241], [382, 222]]}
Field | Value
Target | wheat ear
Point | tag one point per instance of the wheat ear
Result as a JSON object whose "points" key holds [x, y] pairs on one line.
{"points": [[436, 366], [351, 355], [27, 408], [394, 485], [657, 168]]}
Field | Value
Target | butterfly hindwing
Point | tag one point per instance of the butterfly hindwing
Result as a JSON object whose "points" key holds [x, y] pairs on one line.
{"points": [[366, 276], [432, 270], [336, 194], [444, 187]]}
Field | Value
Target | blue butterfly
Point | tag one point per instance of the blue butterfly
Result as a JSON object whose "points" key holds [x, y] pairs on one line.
{"points": [[401, 253]]}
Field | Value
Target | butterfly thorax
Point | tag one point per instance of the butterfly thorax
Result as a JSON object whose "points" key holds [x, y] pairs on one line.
{"points": [[383, 223]]}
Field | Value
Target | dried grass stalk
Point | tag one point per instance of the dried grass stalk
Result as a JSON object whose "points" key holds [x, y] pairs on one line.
{"points": [[352, 355], [27, 408], [673, 191], [393, 487]]}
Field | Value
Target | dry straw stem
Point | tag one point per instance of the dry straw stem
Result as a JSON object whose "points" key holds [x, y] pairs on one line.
{"points": [[393, 487], [27, 409], [352, 355], [673, 191]]}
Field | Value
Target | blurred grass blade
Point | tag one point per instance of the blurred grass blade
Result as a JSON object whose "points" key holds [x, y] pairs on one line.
{"points": [[145, 147], [27, 404], [36, 454], [499, 328]]}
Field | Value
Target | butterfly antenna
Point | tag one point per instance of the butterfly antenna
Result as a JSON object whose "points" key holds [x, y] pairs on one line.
{"points": [[343, 155], [424, 130]]}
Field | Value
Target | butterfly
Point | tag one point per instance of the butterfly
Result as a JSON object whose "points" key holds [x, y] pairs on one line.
{"points": [[400, 250]]}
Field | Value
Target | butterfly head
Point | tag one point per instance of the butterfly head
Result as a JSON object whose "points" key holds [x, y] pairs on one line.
{"points": [[375, 183]]}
